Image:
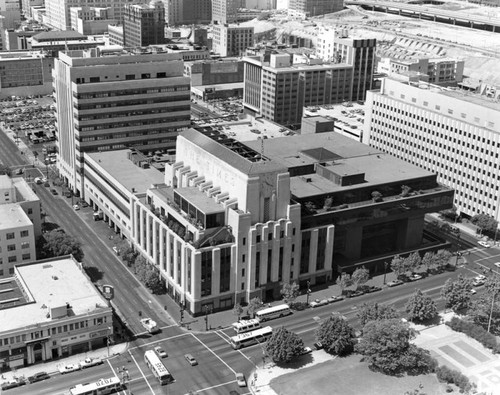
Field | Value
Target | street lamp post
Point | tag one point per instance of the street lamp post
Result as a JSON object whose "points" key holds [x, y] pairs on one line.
{"points": [[182, 314], [386, 264], [308, 292], [207, 311]]}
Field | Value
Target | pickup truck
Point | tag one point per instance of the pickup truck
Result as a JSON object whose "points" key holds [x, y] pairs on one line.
{"points": [[89, 362]]}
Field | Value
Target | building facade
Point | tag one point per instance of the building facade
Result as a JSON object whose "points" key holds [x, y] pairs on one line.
{"points": [[183, 12], [116, 100], [214, 72], [453, 133], [225, 11], [144, 25], [54, 311], [91, 20], [309, 8], [232, 40], [279, 89]]}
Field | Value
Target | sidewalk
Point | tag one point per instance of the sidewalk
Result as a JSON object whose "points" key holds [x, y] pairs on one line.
{"points": [[52, 367]]}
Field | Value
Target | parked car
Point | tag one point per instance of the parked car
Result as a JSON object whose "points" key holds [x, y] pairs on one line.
{"points": [[191, 360], [497, 264], [306, 350], [353, 294], [161, 352], [76, 207], [72, 367], [335, 298], [318, 346], [38, 180], [372, 288], [478, 282], [484, 244], [89, 362], [415, 277], [318, 303], [241, 380], [84, 204], [12, 384], [40, 376], [47, 184], [394, 283], [53, 191]]}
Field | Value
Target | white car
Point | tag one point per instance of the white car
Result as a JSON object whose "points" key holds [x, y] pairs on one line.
{"points": [[88, 362], [161, 352], [484, 244], [38, 180], [240, 380], [497, 264], [72, 367], [76, 207], [306, 350]]}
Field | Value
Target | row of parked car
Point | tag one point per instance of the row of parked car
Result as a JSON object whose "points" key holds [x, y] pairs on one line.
{"points": [[364, 289]]}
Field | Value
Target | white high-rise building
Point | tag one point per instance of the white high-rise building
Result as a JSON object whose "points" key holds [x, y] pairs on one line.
{"points": [[453, 133]]}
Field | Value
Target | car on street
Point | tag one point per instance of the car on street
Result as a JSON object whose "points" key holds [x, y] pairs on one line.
{"points": [[318, 346], [191, 360], [89, 362], [485, 244], [353, 294], [161, 352], [12, 384], [241, 380], [318, 303], [72, 367], [335, 298], [40, 376], [414, 277], [478, 282], [306, 350], [76, 207], [372, 288], [394, 283], [53, 191], [46, 184], [38, 180], [84, 204], [497, 264]]}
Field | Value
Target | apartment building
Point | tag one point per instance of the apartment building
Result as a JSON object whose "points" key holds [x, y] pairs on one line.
{"points": [[225, 11], [50, 309], [438, 71], [309, 8], [91, 20], [114, 100], [278, 89], [183, 12], [144, 24], [232, 40], [453, 133]]}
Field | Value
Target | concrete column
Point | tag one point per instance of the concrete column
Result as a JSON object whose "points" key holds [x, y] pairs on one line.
{"points": [[168, 254], [155, 241], [216, 272], [196, 276], [330, 233], [313, 251], [175, 274]]}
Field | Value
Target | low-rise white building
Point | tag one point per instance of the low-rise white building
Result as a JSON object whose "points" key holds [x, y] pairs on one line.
{"points": [[50, 309]]}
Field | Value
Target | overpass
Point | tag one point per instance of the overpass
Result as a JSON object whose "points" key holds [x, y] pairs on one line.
{"points": [[458, 18]]}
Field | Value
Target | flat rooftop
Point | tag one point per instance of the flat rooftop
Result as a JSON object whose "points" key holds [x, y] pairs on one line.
{"points": [[12, 216], [200, 200], [352, 156], [134, 178], [49, 284]]}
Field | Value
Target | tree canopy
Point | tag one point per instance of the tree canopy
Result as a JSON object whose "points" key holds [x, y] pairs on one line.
{"points": [[254, 305], [128, 255], [289, 292], [284, 345], [398, 265], [336, 336], [58, 243], [386, 347], [360, 276], [486, 304], [420, 307], [375, 312], [344, 281], [485, 222], [457, 293], [148, 275], [238, 310]]}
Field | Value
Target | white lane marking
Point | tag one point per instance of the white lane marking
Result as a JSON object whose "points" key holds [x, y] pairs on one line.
{"points": [[142, 373]]}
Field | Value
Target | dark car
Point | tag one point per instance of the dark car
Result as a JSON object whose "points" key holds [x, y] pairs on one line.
{"points": [[53, 191], [40, 376], [68, 194], [318, 346]]}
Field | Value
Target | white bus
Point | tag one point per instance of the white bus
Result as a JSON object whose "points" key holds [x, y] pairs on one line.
{"points": [[157, 367], [246, 325], [247, 339], [103, 386], [273, 312]]}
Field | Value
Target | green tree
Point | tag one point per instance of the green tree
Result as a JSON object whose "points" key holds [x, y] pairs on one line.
{"points": [[360, 276], [442, 258], [283, 345], [254, 305], [345, 281], [140, 267], [336, 336], [153, 281], [128, 255], [58, 243], [398, 265], [457, 293], [375, 312], [485, 309], [238, 310], [429, 260], [4, 169], [289, 292], [386, 347], [413, 262], [420, 307], [485, 222]]}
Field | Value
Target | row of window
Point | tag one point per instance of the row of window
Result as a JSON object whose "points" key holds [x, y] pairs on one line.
{"points": [[13, 258], [131, 92]]}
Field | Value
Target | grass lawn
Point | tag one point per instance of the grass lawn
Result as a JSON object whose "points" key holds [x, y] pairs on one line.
{"points": [[349, 376]]}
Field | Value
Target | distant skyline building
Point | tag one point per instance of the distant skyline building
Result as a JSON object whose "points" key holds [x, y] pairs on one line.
{"points": [[182, 12], [225, 11], [279, 89], [144, 24], [451, 132], [232, 40], [308, 8], [113, 100]]}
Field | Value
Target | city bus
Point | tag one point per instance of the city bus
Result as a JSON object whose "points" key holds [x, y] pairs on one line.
{"points": [[102, 386], [273, 312], [246, 326], [157, 367], [253, 337]]}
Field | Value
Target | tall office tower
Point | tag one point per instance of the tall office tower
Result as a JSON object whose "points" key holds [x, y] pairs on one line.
{"points": [[181, 12], [453, 133], [225, 11], [232, 40], [308, 8], [26, 6], [59, 16], [279, 89], [116, 101], [144, 24]]}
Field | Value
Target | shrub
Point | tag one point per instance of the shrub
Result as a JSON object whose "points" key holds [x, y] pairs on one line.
{"points": [[475, 331], [447, 375]]}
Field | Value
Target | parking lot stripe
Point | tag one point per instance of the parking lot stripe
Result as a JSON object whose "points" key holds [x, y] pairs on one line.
{"points": [[209, 349], [142, 373]]}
